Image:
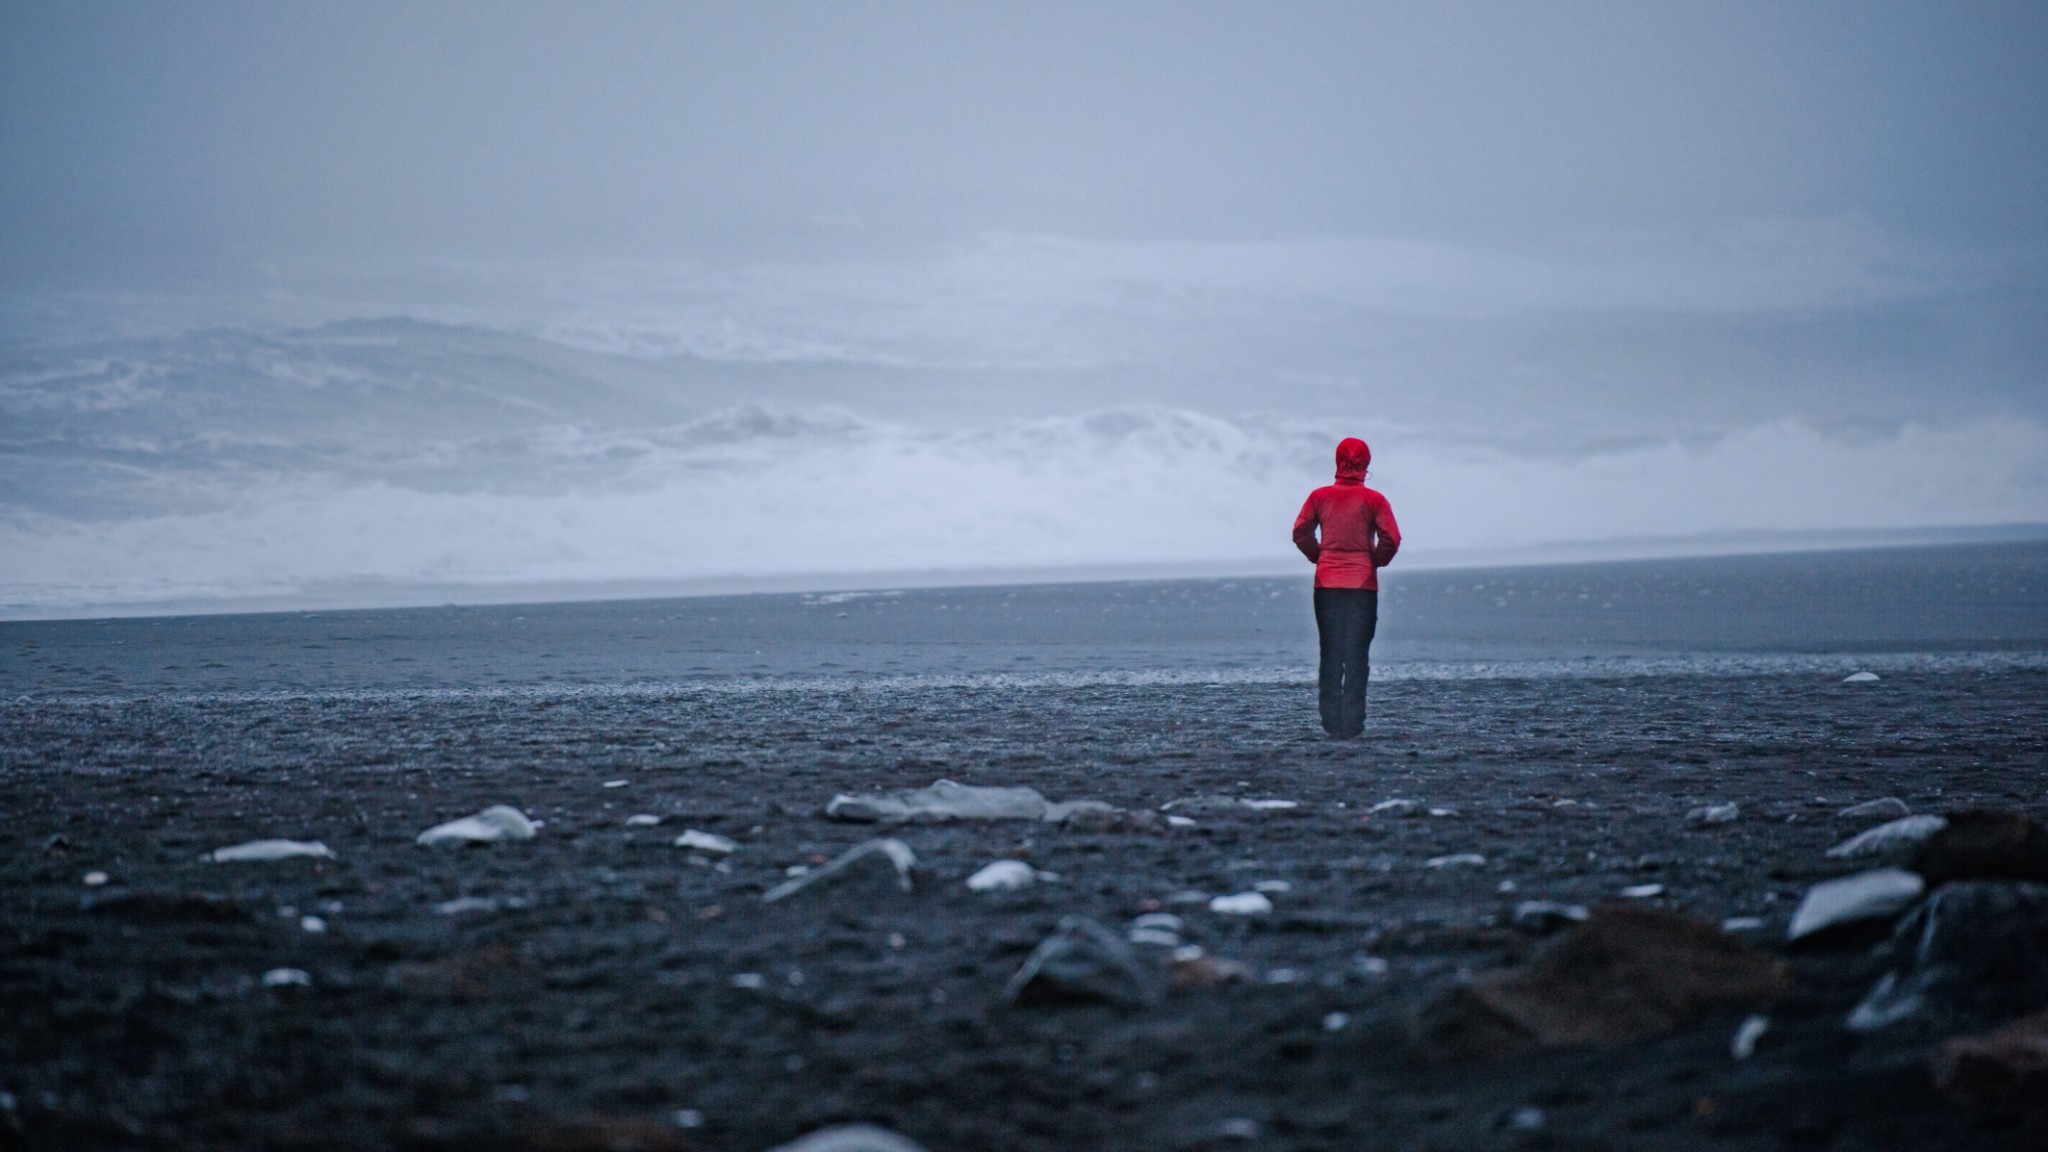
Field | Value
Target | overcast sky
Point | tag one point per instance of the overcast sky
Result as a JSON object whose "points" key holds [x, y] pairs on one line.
{"points": [[159, 136]]}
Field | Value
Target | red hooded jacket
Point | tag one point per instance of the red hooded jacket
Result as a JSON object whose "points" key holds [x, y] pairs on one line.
{"points": [[1359, 535]]}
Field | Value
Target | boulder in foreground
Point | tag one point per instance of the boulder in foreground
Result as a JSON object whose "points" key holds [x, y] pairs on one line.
{"points": [[2005, 1066], [1974, 953], [1624, 975], [1985, 845], [1082, 960]]}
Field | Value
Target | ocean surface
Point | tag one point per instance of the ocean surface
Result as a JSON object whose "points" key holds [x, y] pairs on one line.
{"points": [[1961, 606]]}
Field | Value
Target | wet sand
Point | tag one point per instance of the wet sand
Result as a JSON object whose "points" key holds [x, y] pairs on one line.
{"points": [[598, 1006]]}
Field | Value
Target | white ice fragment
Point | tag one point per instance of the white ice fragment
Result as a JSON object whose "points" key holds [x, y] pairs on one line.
{"points": [[888, 859], [1713, 814], [1335, 1021], [942, 800], [1888, 808], [1180, 821], [1642, 891], [1237, 1128], [1528, 1118], [686, 1118], [1272, 805], [1157, 937], [1860, 678], [1455, 860], [1742, 923], [1188, 953], [1443, 811], [851, 1138], [642, 820], [1242, 904], [498, 822], [1187, 896], [749, 980], [1872, 895], [706, 842], [1393, 808], [1505, 886], [262, 851], [95, 879], [312, 924], [1752, 1029], [616, 783], [465, 904], [1370, 965], [1273, 886], [1002, 876], [287, 977], [1165, 921], [1894, 837]]}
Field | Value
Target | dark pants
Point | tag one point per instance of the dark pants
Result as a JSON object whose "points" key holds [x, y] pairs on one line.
{"points": [[1345, 621]]}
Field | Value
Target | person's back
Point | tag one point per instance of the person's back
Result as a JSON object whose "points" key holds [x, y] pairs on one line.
{"points": [[1347, 530]]}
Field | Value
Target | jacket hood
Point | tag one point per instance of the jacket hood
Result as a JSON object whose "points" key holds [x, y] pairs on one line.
{"points": [[1352, 458]]}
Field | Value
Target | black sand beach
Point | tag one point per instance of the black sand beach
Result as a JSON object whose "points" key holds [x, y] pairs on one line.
{"points": [[610, 990]]}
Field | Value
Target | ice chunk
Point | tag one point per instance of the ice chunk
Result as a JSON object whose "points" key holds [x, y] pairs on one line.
{"points": [[942, 800], [851, 1138], [261, 851], [1082, 960], [642, 820], [1642, 891], [1271, 805], [287, 978], [1889, 808], [706, 842], [1394, 808], [1878, 894], [1860, 678], [1713, 814], [1743, 1046], [1456, 860], [1180, 822], [498, 822], [1896, 838], [878, 865], [1242, 904], [1002, 876]]}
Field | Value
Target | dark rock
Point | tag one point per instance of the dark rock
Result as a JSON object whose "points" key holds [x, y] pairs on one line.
{"points": [[1624, 975], [1972, 954], [1985, 845], [1082, 960], [2002, 1067], [169, 907]]}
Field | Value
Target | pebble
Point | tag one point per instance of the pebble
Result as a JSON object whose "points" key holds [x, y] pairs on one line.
{"points": [[1877, 894], [95, 879], [1752, 1029], [493, 824], [312, 924], [1336, 1021], [706, 842], [751, 981], [1242, 904], [1456, 860], [1180, 821], [1002, 876], [1742, 924], [264, 851], [1527, 1118], [1892, 838], [287, 978]]}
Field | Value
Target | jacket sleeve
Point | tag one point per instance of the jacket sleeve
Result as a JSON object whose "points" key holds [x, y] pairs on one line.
{"points": [[1305, 531], [1387, 535]]}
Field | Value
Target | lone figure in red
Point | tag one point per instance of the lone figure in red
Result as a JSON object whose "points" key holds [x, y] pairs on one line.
{"points": [[1358, 537]]}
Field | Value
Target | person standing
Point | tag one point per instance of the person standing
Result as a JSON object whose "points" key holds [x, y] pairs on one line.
{"points": [[1357, 538]]}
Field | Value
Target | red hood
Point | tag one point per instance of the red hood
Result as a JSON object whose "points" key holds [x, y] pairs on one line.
{"points": [[1352, 458]]}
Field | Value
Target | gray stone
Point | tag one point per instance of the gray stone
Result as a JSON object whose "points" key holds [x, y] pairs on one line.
{"points": [[1878, 894], [1973, 954], [1082, 960], [876, 867]]}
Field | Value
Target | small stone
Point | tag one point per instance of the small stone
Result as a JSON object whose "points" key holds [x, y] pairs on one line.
{"points": [[1370, 966], [1878, 894], [1154, 937], [878, 865], [1242, 904], [1860, 678], [1642, 891], [851, 1138], [1714, 814], [2008, 1065], [1889, 808], [313, 924], [1443, 811], [1002, 876], [287, 978], [1160, 921], [1897, 838], [642, 820], [1973, 953], [706, 842], [96, 879], [264, 851], [749, 981], [1752, 1029], [497, 823], [1527, 1118], [1505, 887], [1336, 1021], [1742, 924], [1456, 860], [1082, 960]]}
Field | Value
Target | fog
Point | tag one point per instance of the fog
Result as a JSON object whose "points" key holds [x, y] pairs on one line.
{"points": [[306, 301]]}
